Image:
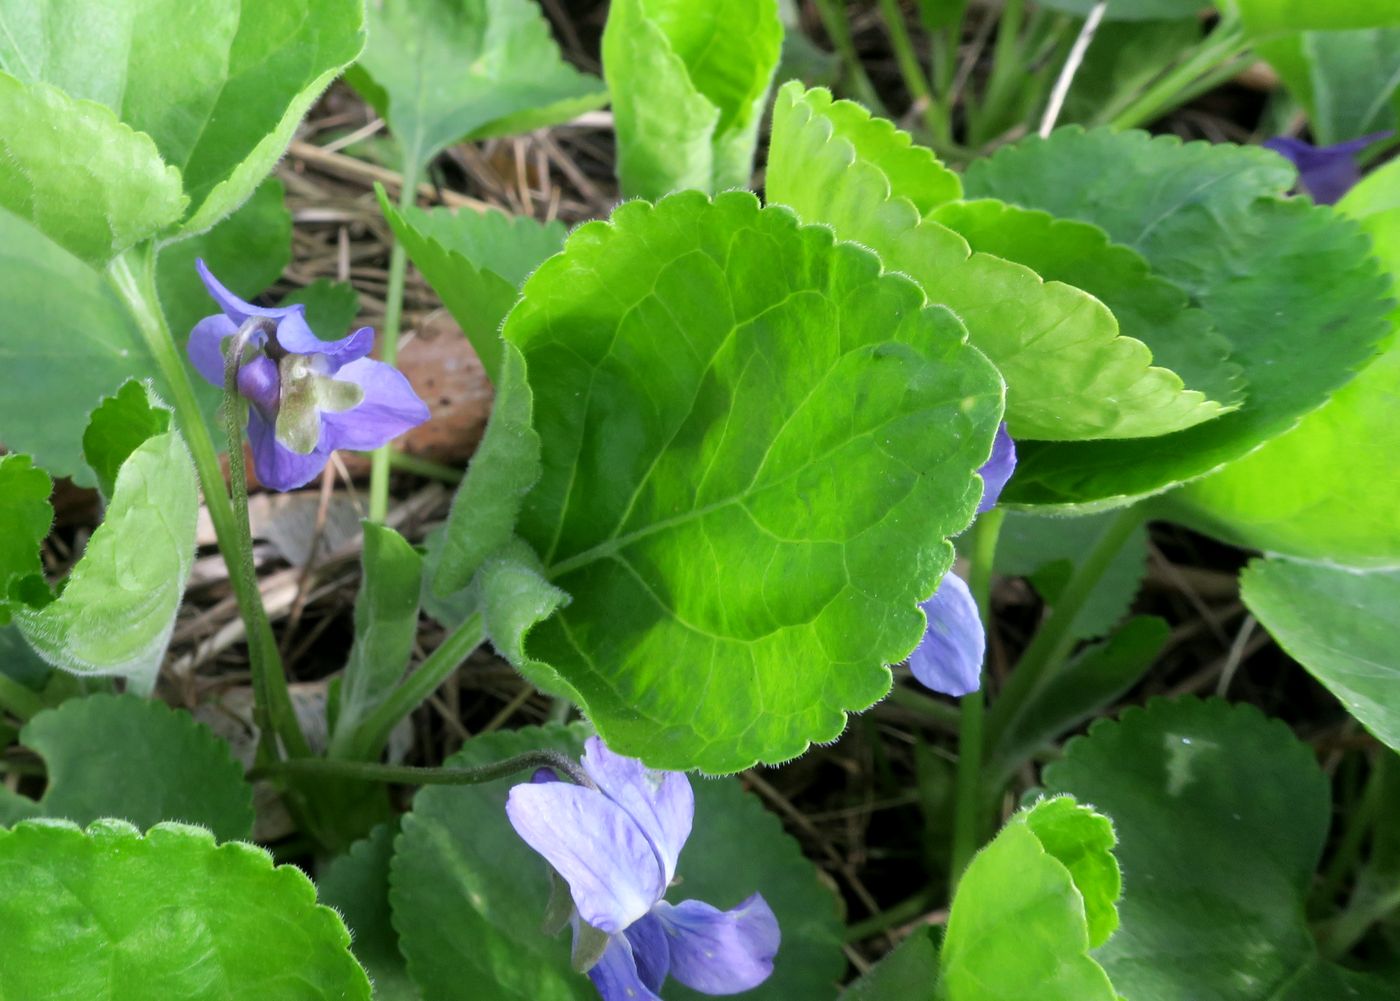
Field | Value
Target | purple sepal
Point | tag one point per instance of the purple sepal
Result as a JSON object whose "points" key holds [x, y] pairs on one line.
{"points": [[1325, 172], [721, 952], [949, 657], [997, 470]]}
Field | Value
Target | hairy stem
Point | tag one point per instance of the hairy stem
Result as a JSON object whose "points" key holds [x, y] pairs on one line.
{"points": [[411, 775], [967, 791], [133, 276]]}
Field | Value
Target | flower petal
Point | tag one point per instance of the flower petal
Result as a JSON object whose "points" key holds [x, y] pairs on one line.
{"points": [[949, 658], [235, 308], [1325, 172], [297, 337], [721, 952], [280, 468], [600, 851], [616, 976], [661, 803], [997, 469], [205, 346], [390, 407], [650, 950]]}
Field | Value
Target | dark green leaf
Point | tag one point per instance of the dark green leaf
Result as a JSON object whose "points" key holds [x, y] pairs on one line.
{"points": [[118, 427], [1289, 285], [754, 445], [356, 884], [110, 915], [141, 761], [331, 307], [908, 973], [25, 518]]}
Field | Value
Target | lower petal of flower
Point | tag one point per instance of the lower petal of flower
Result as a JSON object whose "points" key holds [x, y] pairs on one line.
{"points": [[616, 976], [720, 952], [651, 950], [280, 468], [389, 408]]}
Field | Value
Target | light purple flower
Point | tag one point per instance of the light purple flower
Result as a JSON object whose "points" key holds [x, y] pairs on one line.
{"points": [[949, 657], [307, 397], [1325, 172], [616, 847], [997, 470]]}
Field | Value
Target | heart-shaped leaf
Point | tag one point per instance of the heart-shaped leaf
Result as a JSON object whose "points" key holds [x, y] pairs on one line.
{"points": [[1069, 374], [715, 386], [1289, 285], [108, 914]]}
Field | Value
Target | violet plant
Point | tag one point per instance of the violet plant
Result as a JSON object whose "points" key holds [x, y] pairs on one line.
{"points": [[735, 447]]}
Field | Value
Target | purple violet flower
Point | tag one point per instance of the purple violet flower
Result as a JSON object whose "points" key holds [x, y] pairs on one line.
{"points": [[307, 397], [1325, 172], [949, 657], [616, 847]]}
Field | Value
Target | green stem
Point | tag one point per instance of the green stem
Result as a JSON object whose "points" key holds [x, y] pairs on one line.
{"points": [[944, 715], [1201, 69], [967, 791], [901, 913], [838, 28], [18, 700], [389, 339], [1055, 638], [373, 731], [1007, 77], [365, 771], [133, 276], [936, 116], [425, 468]]}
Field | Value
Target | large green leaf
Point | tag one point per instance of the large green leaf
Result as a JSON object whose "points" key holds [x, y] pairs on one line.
{"points": [[25, 518], [441, 71], [469, 896], [111, 915], [1327, 489], [1147, 308], [92, 185], [356, 884], [116, 611], [1030, 907], [1221, 815], [1341, 626], [754, 444], [386, 627], [689, 82], [476, 262], [244, 72], [1289, 285], [1345, 80], [1069, 374], [127, 757]]}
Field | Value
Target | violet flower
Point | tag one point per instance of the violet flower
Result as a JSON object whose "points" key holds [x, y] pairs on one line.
{"points": [[307, 397], [949, 657], [616, 847], [1325, 172]]}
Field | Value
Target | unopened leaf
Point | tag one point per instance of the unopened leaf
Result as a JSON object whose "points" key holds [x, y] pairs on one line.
{"points": [[108, 914], [1289, 285], [140, 761], [754, 444], [688, 82], [1069, 373]]}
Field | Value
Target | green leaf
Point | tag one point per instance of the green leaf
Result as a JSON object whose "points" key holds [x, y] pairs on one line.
{"points": [[907, 973], [1046, 550], [110, 915], [25, 518], [14, 808], [476, 262], [469, 896], [245, 73], [331, 307], [61, 179], [356, 884], [689, 82], [753, 446], [514, 597], [127, 757], [1289, 285], [1091, 681], [1341, 626], [1325, 490], [1147, 308], [1222, 816], [386, 625], [502, 472], [1030, 907], [1345, 80], [17, 661], [1069, 374], [119, 426], [441, 71], [1125, 59], [117, 610], [1268, 16], [1132, 10]]}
